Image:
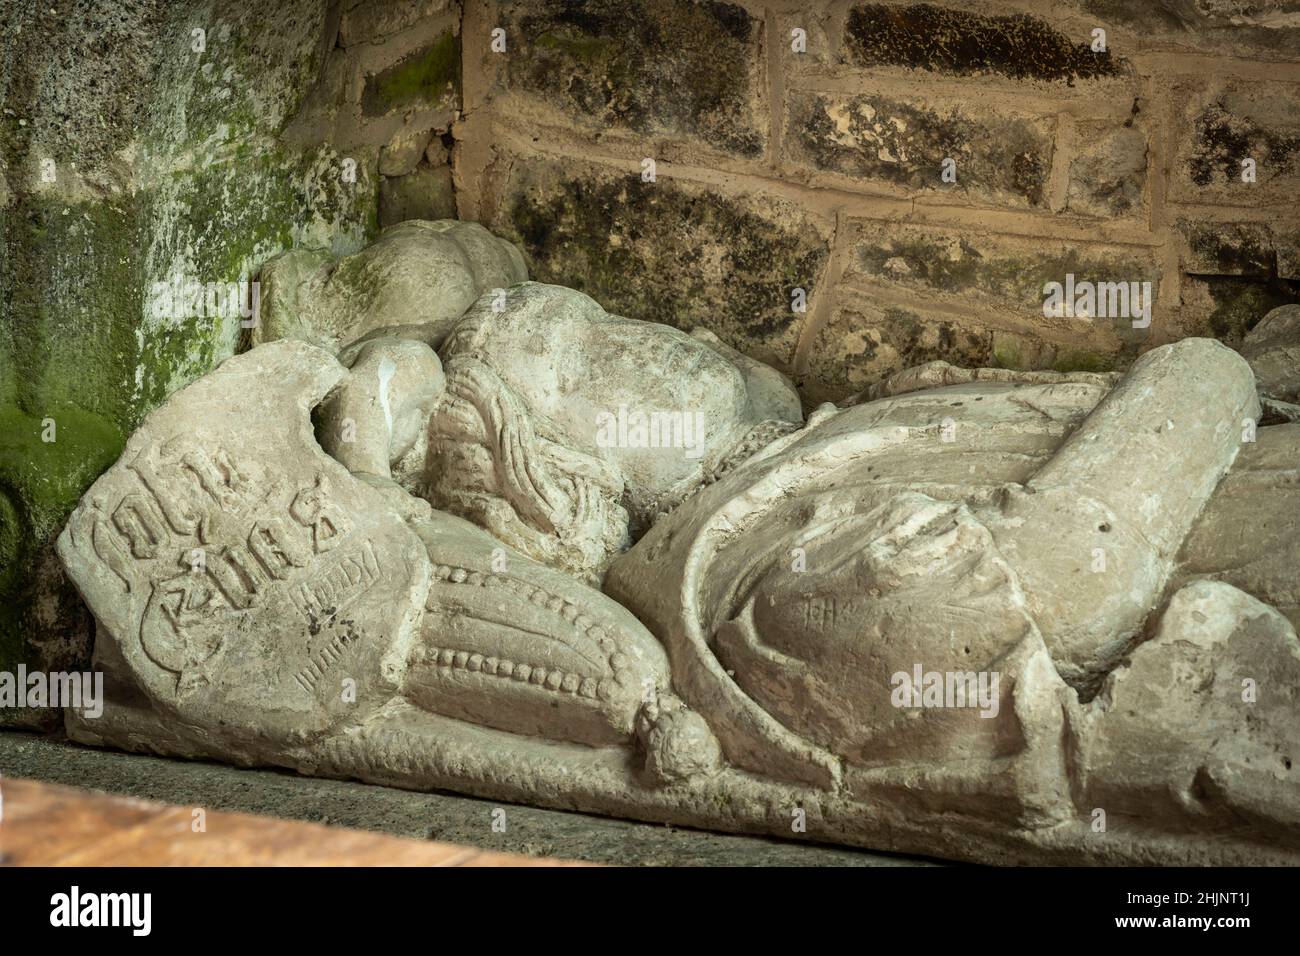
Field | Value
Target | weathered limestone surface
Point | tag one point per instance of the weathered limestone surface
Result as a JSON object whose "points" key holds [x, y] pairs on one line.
{"points": [[379, 415], [1247, 536], [1224, 124], [260, 601], [1264, 29], [910, 294], [416, 273], [997, 157], [242, 576], [1001, 273], [1124, 491], [1221, 661], [362, 22], [1107, 174], [672, 68], [1273, 350]]}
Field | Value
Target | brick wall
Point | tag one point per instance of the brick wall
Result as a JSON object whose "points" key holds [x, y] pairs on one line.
{"points": [[822, 170]]}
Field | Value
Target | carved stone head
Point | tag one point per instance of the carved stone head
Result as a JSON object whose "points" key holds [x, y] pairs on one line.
{"points": [[566, 430]]}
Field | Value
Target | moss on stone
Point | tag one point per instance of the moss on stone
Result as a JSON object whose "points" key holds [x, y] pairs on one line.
{"points": [[668, 253], [941, 39], [425, 76], [50, 476], [594, 51], [170, 168], [903, 142], [1241, 303], [1006, 354], [956, 265], [1220, 248], [40, 484], [1221, 141], [74, 304], [1081, 360], [13, 538], [221, 223], [676, 67]]}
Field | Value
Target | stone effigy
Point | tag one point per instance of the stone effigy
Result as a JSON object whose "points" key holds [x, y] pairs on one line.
{"points": [[1016, 617]]}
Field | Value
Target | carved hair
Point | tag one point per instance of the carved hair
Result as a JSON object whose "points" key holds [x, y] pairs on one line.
{"points": [[524, 471], [556, 504]]}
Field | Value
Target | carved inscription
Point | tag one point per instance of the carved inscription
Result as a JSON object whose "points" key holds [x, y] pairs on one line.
{"points": [[310, 676], [234, 538], [338, 583], [820, 611]]}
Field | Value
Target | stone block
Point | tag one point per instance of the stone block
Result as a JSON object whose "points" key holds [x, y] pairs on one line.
{"points": [[1265, 29], [865, 341], [1000, 278], [425, 79], [957, 42], [1107, 172], [668, 68], [667, 251], [1217, 248], [426, 193], [367, 22], [1222, 125], [403, 151], [999, 157]]}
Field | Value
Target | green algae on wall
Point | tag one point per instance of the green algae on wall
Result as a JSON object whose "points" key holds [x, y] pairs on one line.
{"points": [[41, 481], [215, 225], [425, 76], [74, 304], [1081, 360], [170, 169]]}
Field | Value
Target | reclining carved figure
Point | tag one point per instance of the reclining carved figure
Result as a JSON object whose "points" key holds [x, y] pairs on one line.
{"points": [[1118, 554]]}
